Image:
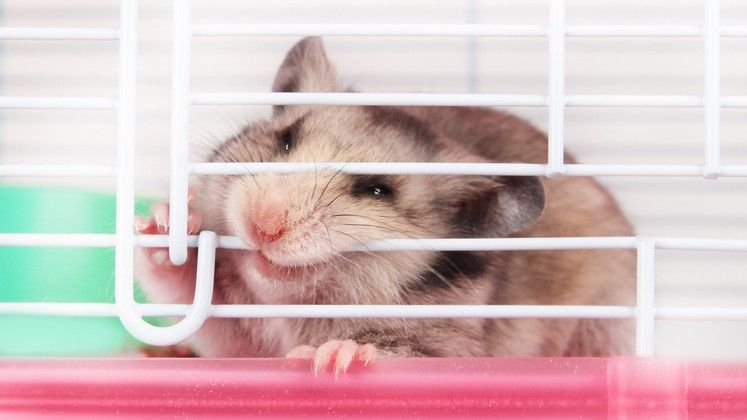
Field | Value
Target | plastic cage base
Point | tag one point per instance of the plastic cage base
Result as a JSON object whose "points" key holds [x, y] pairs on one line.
{"points": [[589, 388]]}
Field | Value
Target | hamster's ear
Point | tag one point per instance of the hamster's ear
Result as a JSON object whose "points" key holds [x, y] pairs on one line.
{"points": [[306, 68], [499, 206]]}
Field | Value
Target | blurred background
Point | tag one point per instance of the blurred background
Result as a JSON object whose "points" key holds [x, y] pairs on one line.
{"points": [[657, 206]]}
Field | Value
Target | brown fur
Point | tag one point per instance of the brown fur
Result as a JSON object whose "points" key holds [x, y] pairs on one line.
{"points": [[325, 212]]}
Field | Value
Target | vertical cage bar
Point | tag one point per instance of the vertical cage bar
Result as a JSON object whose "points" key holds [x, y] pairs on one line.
{"points": [[556, 95], [180, 91], [472, 56], [712, 97], [645, 303], [125, 207]]}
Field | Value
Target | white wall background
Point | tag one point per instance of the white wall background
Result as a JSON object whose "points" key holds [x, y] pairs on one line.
{"points": [[658, 206]]}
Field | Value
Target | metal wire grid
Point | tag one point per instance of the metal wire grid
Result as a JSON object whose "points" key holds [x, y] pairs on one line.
{"points": [[130, 313]]}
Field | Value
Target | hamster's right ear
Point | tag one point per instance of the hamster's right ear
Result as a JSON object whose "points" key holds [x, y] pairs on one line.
{"points": [[306, 68], [488, 206]]}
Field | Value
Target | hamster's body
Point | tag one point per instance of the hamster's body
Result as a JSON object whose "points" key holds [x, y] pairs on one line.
{"points": [[301, 221]]}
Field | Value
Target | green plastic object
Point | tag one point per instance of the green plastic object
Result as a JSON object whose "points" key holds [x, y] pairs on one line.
{"points": [[45, 274]]}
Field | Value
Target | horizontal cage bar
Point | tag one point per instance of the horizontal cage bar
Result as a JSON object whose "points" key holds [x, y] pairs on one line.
{"points": [[448, 244], [424, 311], [68, 240], [58, 170], [433, 30], [403, 99], [330, 311], [459, 168], [41, 102], [584, 31], [378, 311], [412, 168], [445, 244], [64, 34], [362, 29], [702, 314], [455, 99], [734, 30]]}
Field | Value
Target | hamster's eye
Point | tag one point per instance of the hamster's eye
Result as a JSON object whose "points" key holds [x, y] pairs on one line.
{"points": [[288, 137], [379, 190], [373, 186], [287, 140]]}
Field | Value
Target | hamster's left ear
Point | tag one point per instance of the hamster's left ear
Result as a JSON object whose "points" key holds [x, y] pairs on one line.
{"points": [[498, 206], [306, 68]]}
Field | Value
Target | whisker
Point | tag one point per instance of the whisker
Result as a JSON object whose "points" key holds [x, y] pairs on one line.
{"points": [[328, 182], [316, 179], [354, 238], [335, 199], [426, 230]]}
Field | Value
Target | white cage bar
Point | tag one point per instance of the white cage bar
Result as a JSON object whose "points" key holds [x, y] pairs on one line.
{"points": [[180, 92], [58, 170], [455, 99], [444, 244], [645, 312], [67, 34], [125, 198], [454, 168], [434, 30], [645, 290], [380, 311], [556, 89], [40, 102], [711, 100]]}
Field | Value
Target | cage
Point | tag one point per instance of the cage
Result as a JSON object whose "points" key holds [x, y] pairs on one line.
{"points": [[102, 106]]}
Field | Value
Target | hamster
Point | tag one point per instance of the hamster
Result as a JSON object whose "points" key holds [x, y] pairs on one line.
{"points": [[301, 221]]}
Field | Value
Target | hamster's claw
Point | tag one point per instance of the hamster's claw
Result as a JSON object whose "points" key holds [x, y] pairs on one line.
{"points": [[159, 221], [158, 224], [337, 354]]}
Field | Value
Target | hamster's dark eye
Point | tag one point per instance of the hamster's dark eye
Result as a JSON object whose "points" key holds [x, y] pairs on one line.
{"points": [[373, 186], [379, 190], [288, 137], [287, 140]]}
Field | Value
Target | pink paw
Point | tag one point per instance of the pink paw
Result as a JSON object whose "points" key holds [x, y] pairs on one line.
{"points": [[158, 224], [338, 354]]}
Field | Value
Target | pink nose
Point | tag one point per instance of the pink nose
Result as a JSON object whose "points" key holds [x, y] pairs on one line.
{"points": [[268, 222], [262, 236]]}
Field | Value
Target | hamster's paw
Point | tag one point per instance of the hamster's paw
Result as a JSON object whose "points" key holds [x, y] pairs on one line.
{"points": [[158, 224], [337, 354]]}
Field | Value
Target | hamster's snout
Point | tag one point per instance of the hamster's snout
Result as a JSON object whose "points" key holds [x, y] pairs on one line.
{"points": [[268, 222], [260, 235], [287, 220]]}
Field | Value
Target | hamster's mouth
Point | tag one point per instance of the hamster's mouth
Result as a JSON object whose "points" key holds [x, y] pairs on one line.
{"points": [[269, 269]]}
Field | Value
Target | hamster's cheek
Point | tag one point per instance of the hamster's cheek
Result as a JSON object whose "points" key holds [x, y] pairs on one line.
{"points": [[236, 205]]}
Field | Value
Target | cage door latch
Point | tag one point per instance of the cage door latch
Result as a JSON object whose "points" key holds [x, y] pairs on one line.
{"points": [[199, 311]]}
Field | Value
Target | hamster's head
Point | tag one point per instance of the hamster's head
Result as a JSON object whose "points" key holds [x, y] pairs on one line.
{"points": [[304, 224]]}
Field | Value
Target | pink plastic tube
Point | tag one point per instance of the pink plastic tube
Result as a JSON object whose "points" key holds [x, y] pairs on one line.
{"points": [[589, 388]]}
